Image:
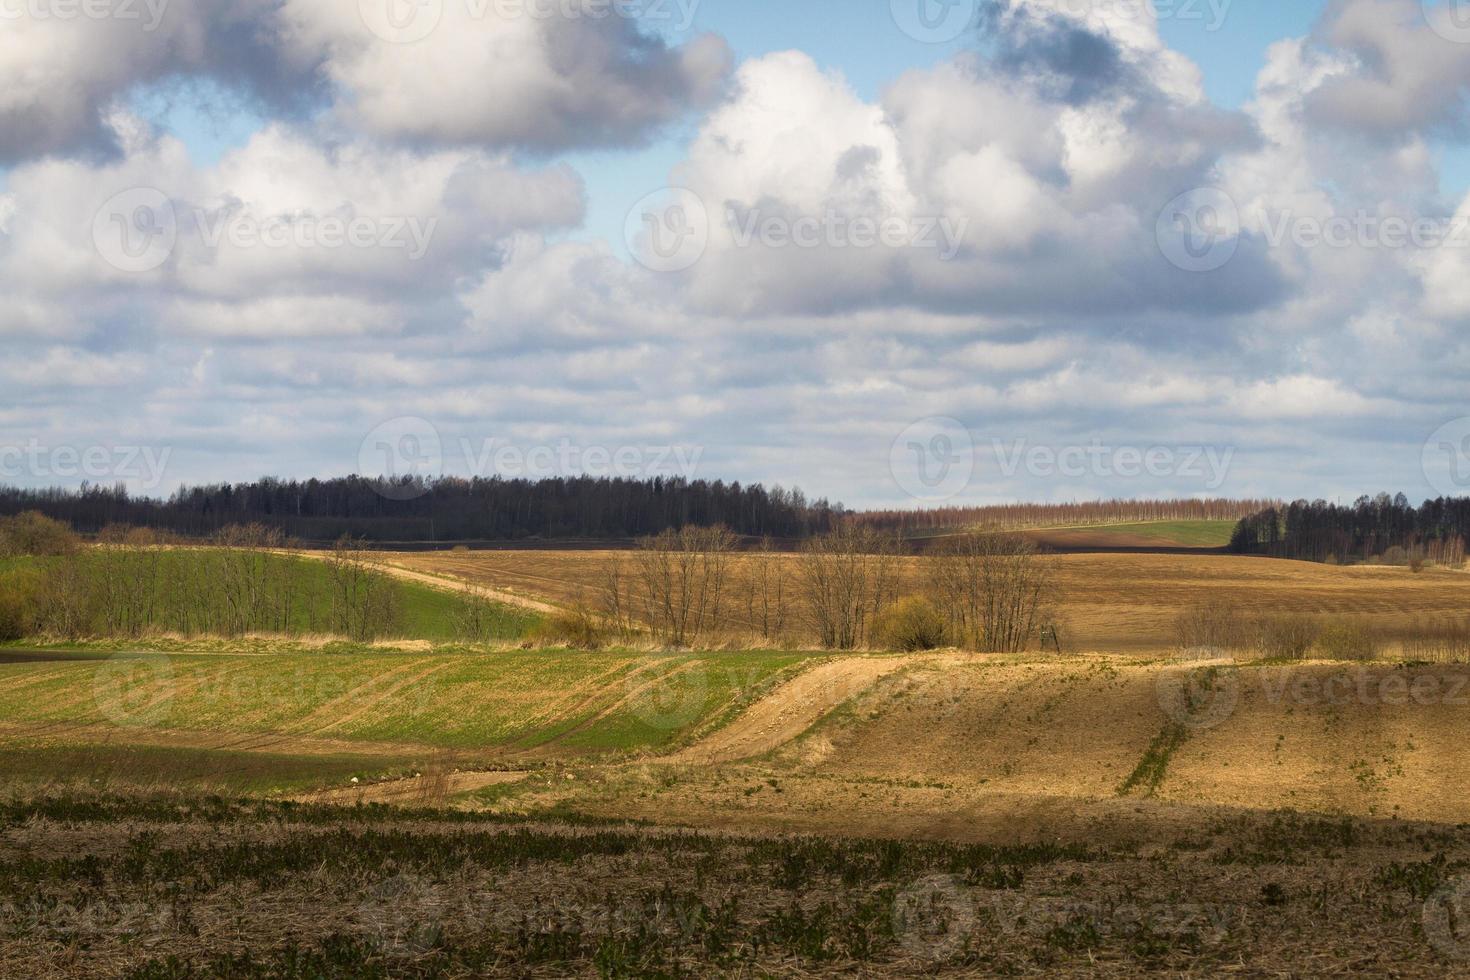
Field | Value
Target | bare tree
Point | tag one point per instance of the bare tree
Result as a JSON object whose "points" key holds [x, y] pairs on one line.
{"points": [[767, 591], [365, 602], [994, 589], [845, 579], [683, 576]]}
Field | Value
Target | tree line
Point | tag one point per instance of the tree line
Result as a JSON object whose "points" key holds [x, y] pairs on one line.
{"points": [[1371, 529], [842, 590], [133, 584], [449, 509]]}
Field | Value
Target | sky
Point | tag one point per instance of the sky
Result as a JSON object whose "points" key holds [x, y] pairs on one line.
{"points": [[899, 253]]}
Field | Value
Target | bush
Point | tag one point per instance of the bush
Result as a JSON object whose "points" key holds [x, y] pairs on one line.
{"points": [[577, 628], [1211, 625], [19, 606], [1285, 637], [910, 624], [33, 533], [1347, 641]]}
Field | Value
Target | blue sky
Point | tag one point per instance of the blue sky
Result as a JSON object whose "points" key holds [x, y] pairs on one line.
{"points": [[1086, 253]]}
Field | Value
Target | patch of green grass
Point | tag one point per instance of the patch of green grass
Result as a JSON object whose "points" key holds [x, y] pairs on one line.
{"points": [[1150, 771], [584, 702], [183, 599], [1183, 534], [115, 767]]}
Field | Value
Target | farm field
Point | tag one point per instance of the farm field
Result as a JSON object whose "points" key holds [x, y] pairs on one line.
{"points": [[1107, 602], [1115, 810]]}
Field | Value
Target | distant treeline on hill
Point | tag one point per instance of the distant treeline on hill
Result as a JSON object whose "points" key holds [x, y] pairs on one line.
{"points": [[1373, 528], [1022, 516], [443, 510]]}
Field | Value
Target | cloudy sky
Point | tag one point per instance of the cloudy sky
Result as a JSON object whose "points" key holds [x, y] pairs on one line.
{"points": [[897, 252]]}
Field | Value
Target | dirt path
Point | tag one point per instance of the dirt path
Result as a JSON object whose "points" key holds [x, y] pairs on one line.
{"points": [[791, 709]]}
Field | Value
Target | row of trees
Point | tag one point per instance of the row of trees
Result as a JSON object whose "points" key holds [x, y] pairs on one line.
{"points": [[843, 590], [1371, 529], [443, 510], [129, 586]]}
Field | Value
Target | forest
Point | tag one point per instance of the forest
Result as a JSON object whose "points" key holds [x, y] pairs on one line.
{"points": [[448, 509], [1381, 528]]}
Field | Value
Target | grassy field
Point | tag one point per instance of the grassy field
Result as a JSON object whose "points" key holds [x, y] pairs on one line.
{"points": [[396, 710], [182, 590], [1154, 534]]}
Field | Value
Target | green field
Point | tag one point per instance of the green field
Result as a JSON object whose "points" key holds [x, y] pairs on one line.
{"points": [[401, 709], [1179, 534], [177, 591]]}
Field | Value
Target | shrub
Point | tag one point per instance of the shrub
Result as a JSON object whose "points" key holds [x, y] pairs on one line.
{"points": [[576, 627], [17, 608], [33, 533], [1347, 641], [1217, 625], [910, 624], [1285, 636]]}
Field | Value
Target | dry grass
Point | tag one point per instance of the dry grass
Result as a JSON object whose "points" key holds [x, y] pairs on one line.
{"points": [[1108, 602]]}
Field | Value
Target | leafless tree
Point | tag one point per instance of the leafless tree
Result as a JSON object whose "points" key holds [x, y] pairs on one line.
{"points": [[683, 577], [994, 589], [845, 579]]}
